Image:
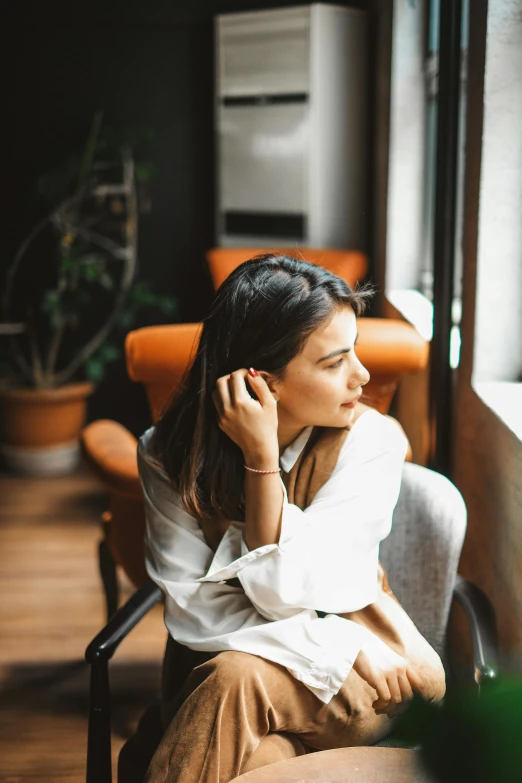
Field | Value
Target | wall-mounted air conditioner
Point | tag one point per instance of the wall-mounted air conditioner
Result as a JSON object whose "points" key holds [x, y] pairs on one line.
{"points": [[291, 124]]}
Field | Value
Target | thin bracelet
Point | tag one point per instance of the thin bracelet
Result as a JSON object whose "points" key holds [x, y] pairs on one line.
{"points": [[253, 470]]}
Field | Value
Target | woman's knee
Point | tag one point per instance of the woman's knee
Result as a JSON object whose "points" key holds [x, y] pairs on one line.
{"points": [[231, 667], [269, 689]]}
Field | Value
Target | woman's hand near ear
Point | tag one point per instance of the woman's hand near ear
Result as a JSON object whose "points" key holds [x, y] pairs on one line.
{"points": [[252, 425]]}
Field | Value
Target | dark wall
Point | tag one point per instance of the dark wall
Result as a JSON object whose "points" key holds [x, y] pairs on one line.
{"points": [[147, 64], [152, 75]]}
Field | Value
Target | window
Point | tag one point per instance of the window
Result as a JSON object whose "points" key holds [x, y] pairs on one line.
{"points": [[497, 361], [409, 284]]}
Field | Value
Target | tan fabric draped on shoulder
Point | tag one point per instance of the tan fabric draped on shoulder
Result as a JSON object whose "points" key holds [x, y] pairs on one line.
{"points": [[385, 617], [315, 465]]}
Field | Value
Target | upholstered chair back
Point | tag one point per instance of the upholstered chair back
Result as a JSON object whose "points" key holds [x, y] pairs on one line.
{"points": [[422, 552], [351, 265], [158, 356]]}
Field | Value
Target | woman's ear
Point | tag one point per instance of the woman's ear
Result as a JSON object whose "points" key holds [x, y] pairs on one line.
{"points": [[272, 383]]}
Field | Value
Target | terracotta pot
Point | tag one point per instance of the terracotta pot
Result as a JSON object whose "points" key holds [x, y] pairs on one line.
{"points": [[40, 428]]}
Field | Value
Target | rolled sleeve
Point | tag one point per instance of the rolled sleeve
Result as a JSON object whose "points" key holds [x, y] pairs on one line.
{"points": [[224, 566], [209, 616], [319, 652]]}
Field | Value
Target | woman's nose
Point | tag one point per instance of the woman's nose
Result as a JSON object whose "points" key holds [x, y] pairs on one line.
{"points": [[365, 375], [360, 375]]}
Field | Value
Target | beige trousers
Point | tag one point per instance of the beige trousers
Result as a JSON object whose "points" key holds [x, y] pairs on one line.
{"points": [[240, 711]]}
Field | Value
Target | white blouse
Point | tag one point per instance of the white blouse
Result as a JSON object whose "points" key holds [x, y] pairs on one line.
{"points": [[326, 560]]}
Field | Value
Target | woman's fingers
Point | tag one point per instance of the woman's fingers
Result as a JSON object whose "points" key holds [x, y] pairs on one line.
{"points": [[223, 393], [400, 693], [374, 676], [250, 423], [377, 680], [383, 691], [238, 388], [415, 680], [395, 690], [405, 686], [389, 674], [261, 388]]}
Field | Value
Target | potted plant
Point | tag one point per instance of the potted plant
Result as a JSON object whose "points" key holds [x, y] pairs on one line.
{"points": [[72, 304]]}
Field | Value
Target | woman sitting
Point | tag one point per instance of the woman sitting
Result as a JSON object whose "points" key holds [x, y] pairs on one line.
{"points": [[268, 488]]}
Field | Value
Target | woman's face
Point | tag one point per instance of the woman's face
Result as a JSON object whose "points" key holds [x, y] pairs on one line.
{"points": [[322, 384]]}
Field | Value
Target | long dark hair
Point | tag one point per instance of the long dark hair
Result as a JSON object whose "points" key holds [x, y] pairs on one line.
{"points": [[261, 317]]}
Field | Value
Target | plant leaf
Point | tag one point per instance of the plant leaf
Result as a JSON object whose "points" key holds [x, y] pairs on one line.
{"points": [[144, 171]]}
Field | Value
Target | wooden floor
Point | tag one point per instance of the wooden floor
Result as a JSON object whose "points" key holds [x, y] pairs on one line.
{"points": [[51, 605]]}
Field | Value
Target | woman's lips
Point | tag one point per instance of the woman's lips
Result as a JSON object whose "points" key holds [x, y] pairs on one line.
{"points": [[351, 404]]}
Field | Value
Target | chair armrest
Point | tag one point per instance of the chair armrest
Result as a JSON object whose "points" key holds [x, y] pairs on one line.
{"points": [[483, 628], [105, 644], [110, 450]]}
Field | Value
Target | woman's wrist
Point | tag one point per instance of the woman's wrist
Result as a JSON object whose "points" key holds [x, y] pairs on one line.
{"points": [[262, 459], [262, 472]]}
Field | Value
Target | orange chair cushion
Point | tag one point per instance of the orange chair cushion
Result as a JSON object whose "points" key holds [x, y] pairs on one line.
{"points": [[110, 451], [351, 265], [386, 345], [157, 356]]}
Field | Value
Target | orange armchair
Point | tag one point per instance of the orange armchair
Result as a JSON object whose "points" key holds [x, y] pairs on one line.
{"points": [[351, 265], [158, 356]]}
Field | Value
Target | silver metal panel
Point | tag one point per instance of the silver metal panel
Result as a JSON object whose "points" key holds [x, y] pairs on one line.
{"points": [[338, 161], [272, 243], [264, 52], [263, 154]]}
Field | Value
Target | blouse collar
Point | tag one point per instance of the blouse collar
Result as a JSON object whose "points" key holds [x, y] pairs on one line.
{"points": [[291, 454]]}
